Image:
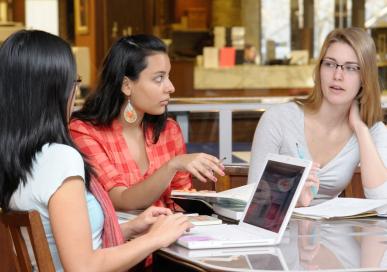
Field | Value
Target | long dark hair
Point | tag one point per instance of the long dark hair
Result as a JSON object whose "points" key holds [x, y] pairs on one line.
{"points": [[127, 57], [37, 73]]}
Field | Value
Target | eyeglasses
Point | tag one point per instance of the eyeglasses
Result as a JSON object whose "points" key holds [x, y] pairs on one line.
{"points": [[331, 66]]}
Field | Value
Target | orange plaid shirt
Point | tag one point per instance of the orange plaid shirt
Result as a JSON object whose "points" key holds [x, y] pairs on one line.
{"points": [[110, 157]]}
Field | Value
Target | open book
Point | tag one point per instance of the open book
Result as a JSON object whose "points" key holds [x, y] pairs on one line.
{"points": [[342, 207], [203, 202]]}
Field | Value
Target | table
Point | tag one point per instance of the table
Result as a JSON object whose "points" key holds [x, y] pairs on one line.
{"points": [[335, 245], [225, 107]]}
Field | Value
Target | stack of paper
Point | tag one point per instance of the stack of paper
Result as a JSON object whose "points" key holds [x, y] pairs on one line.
{"points": [[341, 207]]}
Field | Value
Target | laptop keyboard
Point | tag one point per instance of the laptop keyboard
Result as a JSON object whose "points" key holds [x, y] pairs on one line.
{"points": [[226, 232]]}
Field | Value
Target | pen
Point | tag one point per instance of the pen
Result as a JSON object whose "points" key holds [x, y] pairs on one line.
{"points": [[301, 155], [220, 163]]}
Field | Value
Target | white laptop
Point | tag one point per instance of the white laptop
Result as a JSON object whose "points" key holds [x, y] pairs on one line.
{"points": [[267, 212]]}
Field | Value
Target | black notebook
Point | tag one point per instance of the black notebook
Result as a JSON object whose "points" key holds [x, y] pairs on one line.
{"points": [[194, 205]]}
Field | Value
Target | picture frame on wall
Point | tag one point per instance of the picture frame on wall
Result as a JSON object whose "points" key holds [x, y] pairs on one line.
{"points": [[81, 9]]}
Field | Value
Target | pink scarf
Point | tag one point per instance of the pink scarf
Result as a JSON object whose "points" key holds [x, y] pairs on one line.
{"points": [[112, 234]]}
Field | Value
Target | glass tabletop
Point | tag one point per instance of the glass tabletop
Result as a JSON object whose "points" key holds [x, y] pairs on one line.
{"points": [[335, 245]]}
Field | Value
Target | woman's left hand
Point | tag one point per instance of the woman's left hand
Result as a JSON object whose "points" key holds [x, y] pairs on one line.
{"points": [[146, 219], [354, 116]]}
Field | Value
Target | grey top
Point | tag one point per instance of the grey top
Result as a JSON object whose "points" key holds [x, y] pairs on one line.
{"points": [[281, 131]]}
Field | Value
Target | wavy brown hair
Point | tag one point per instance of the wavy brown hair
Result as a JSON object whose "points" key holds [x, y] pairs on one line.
{"points": [[369, 94]]}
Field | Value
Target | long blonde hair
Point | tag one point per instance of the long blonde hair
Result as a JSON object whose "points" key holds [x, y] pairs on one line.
{"points": [[369, 93]]}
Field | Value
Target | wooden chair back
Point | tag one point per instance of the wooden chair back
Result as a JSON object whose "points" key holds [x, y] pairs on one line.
{"points": [[13, 222], [7, 253], [236, 175], [355, 187]]}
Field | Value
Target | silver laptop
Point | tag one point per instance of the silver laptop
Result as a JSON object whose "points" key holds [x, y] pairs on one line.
{"points": [[267, 212]]}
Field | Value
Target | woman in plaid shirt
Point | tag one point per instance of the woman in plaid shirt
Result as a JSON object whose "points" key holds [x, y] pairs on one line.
{"points": [[137, 152]]}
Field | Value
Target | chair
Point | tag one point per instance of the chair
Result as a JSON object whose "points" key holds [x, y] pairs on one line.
{"points": [[13, 221], [8, 257], [355, 187], [236, 175]]}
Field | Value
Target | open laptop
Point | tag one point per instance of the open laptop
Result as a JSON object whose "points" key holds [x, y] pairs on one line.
{"points": [[267, 212]]}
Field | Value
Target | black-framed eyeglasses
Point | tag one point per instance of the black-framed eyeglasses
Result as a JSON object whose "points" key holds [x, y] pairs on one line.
{"points": [[348, 68]]}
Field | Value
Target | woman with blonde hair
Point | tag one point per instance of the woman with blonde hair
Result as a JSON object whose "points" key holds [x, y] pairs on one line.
{"points": [[338, 126]]}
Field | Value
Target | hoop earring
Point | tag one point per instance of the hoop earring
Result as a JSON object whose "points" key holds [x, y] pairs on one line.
{"points": [[130, 114]]}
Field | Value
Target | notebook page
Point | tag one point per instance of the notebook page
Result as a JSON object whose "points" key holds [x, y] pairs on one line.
{"points": [[341, 207]]}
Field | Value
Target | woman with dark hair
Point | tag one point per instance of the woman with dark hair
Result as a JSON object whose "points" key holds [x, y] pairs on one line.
{"points": [[338, 126], [41, 169], [138, 153]]}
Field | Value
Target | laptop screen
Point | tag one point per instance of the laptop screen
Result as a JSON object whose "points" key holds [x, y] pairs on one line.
{"points": [[273, 195]]}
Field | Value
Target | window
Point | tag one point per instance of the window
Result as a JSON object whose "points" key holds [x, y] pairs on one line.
{"points": [[374, 10], [276, 27], [323, 23]]}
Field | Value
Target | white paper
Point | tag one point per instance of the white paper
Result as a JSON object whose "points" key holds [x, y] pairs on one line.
{"points": [[240, 193], [341, 207]]}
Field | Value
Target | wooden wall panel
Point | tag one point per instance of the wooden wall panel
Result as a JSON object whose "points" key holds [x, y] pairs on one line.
{"points": [[18, 11], [181, 7], [109, 20]]}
